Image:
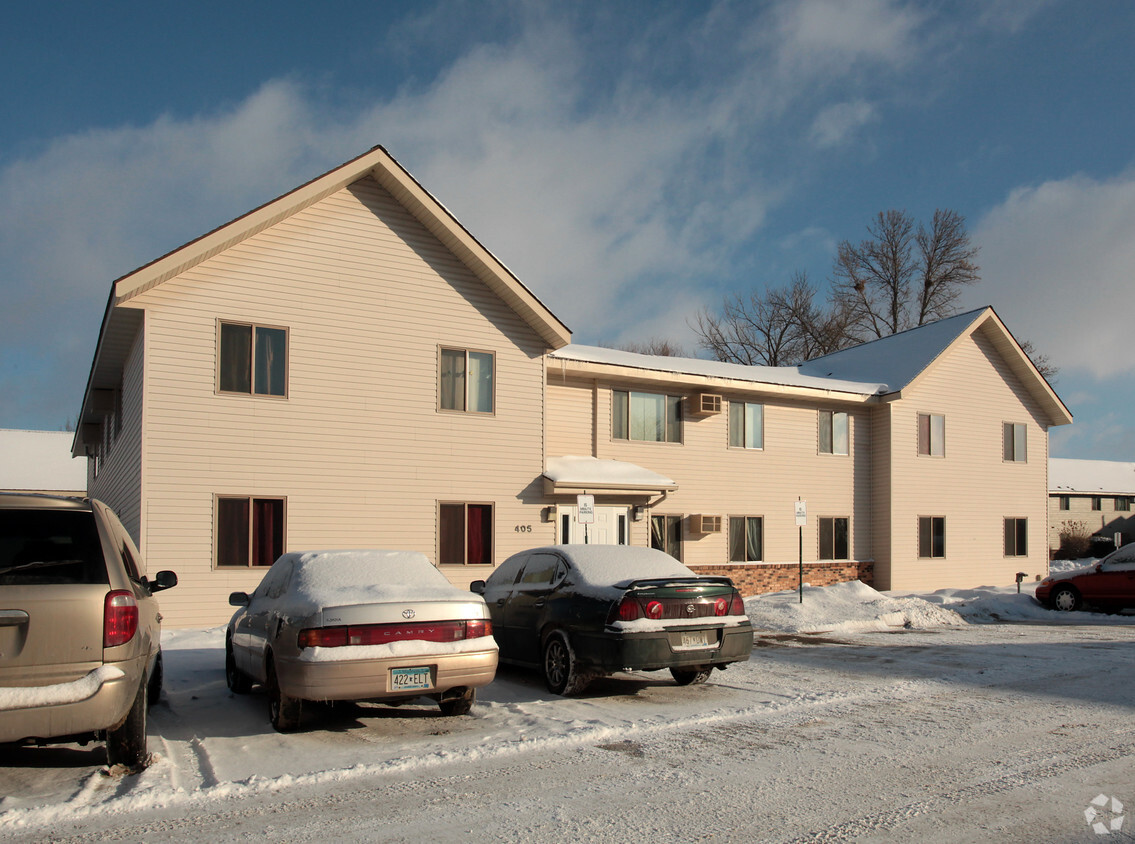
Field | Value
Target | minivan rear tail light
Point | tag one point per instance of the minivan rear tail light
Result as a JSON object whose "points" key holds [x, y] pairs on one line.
{"points": [[119, 618]]}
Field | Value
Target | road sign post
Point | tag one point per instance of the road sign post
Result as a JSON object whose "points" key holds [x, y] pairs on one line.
{"points": [[801, 509]]}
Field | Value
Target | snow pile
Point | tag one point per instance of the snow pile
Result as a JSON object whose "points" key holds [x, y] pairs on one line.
{"points": [[406, 647], [845, 607], [27, 697], [336, 578]]}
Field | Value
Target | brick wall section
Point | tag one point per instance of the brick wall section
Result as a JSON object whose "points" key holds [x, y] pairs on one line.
{"points": [[779, 577]]}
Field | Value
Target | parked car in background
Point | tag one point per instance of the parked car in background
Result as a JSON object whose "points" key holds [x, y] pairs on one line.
{"points": [[362, 626], [80, 631], [581, 611], [1107, 585]]}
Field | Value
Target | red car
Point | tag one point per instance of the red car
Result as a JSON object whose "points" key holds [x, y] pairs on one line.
{"points": [[1108, 585]]}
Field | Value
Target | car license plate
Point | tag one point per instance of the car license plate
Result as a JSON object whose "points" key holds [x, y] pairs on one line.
{"points": [[410, 679], [697, 639]]}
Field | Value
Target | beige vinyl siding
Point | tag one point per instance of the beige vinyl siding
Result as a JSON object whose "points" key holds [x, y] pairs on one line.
{"points": [[972, 486], [358, 447], [570, 417], [119, 481], [714, 479]]}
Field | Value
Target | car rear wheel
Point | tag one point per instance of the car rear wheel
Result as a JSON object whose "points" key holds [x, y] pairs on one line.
{"points": [[283, 710], [1066, 599], [690, 676], [238, 682], [561, 671], [458, 705], [126, 744]]}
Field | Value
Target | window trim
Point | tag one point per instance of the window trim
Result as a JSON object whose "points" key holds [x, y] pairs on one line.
{"points": [[1018, 522], [820, 538], [254, 326], [466, 351], [932, 440], [729, 539], [670, 400], [465, 505], [935, 553], [1097, 503], [251, 499], [832, 416], [1064, 503], [1122, 504], [744, 406]]}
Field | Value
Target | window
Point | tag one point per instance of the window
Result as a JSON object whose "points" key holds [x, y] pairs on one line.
{"points": [[541, 571], [250, 531], [833, 538], [746, 425], [931, 536], [1014, 438], [746, 539], [833, 432], [1016, 537], [1064, 502], [649, 417], [1122, 503], [465, 534], [466, 381], [931, 435], [1097, 502], [252, 359], [666, 535]]}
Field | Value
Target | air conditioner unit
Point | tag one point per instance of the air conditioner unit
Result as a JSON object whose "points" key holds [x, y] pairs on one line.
{"points": [[706, 403], [706, 524]]}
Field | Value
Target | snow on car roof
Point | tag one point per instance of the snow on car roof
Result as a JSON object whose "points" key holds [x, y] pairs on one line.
{"points": [[606, 565], [336, 578]]}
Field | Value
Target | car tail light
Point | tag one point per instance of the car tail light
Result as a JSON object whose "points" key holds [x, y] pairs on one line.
{"points": [[119, 618], [384, 634], [654, 609], [737, 604], [720, 607], [627, 610]]}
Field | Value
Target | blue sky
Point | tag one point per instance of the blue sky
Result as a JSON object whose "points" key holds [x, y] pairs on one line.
{"points": [[631, 162]]}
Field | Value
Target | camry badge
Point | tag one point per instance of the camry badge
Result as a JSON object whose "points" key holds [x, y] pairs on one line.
{"points": [[408, 613]]}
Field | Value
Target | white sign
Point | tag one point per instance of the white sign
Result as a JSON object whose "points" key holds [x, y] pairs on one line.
{"points": [[585, 509], [801, 513]]}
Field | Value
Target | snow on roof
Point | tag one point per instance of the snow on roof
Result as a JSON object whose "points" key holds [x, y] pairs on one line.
{"points": [[787, 376], [606, 565], [1066, 475], [895, 360], [591, 471], [338, 578], [40, 461]]}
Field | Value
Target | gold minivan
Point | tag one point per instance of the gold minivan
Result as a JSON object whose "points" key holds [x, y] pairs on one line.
{"points": [[80, 631]]}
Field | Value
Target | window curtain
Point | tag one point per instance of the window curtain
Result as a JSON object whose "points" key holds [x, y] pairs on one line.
{"points": [[480, 538], [452, 379], [236, 358], [480, 382], [267, 530], [271, 345]]}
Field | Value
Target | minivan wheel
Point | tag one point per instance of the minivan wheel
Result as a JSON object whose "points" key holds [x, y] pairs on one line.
{"points": [[561, 671], [126, 744], [1066, 599], [154, 689], [283, 710], [237, 681], [690, 676]]}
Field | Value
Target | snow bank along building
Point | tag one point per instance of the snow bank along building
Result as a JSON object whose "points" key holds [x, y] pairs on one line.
{"points": [[347, 366], [1091, 497]]}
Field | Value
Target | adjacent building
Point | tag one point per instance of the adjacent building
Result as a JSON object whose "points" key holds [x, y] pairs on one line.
{"points": [[1090, 498], [347, 366]]}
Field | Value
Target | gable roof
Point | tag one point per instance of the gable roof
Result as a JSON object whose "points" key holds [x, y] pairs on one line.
{"points": [[119, 324], [901, 360]]}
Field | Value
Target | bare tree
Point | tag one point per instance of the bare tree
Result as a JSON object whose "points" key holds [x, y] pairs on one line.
{"points": [[946, 265], [655, 346], [1041, 361]]}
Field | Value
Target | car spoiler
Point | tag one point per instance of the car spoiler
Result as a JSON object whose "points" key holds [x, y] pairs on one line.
{"points": [[700, 580]]}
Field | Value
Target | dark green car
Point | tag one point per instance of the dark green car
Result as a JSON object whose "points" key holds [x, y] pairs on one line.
{"points": [[583, 611]]}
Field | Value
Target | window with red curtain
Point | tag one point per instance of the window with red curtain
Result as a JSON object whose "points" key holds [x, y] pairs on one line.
{"points": [[465, 534], [250, 531]]}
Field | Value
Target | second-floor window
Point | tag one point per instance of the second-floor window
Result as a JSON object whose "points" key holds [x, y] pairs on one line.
{"points": [[746, 425], [931, 435], [1014, 442], [466, 381], [833, 432], [1064, 502], [1123, 503], [252, 359], [650, 417]]}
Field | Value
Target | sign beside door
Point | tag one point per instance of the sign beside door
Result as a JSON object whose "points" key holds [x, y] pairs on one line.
{"points": [[585, 509]]}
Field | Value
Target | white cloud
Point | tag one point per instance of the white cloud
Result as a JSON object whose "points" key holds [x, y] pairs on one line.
{"points": [[836, 123], [1058, 263]]}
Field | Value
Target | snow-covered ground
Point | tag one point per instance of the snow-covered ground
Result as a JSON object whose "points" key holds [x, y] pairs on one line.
{"points": [[957, 715]]}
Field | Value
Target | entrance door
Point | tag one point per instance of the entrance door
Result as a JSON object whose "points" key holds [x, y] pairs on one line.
{"points": [[611, 526]]}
